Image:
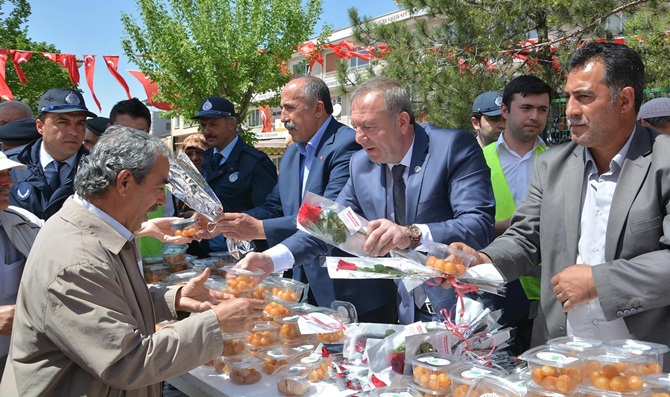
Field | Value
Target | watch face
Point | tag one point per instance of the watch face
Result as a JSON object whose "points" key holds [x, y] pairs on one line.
{"points": [[414, 232]]}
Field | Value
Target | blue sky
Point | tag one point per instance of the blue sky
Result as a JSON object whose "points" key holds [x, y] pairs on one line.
{"points": [[93, 27]]}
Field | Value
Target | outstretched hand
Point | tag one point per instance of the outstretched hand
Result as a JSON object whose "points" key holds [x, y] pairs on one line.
{"points": [[194, 297]]}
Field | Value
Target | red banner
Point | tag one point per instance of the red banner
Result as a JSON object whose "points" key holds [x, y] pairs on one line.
{"points": [[89, 69], [19, 57], [151, 89], [5, 92], [69, 62], [112, 62]]}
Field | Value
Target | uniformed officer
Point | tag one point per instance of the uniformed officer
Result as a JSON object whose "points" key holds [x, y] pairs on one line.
{"points": [[240, 175], [52, 160]]}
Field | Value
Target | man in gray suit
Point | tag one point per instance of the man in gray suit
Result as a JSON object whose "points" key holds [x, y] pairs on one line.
{"points": [[596, 213]]}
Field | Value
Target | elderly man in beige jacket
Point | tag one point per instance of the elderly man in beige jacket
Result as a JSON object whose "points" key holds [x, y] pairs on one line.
{"points": [[85, 320]]}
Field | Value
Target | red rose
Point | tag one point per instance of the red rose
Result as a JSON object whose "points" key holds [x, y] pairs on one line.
{"points": [[344, 265], [307, 214]]}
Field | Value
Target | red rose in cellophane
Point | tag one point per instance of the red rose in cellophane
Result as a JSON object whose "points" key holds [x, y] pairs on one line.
{"points": [[307, 213]]}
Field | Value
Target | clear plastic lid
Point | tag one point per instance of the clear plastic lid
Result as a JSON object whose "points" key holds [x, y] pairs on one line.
{"points": [[293, 372], [287, 289], [584, 391], [181, 277], [170, 250], [546, 355], [465, 373], [182, 224], [435, 361], [494, 386], [574, 343], [637, 347], [658, 382], [243, 361], [152, 260]]}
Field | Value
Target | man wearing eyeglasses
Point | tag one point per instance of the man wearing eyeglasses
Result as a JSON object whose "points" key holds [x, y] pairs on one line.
{"points": [[52, 160]]}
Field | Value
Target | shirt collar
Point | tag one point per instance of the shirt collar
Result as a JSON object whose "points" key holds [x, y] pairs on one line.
{"points": [[309, 148], [229, 148], [113, 223], [501, 141], [407, 160], [617, 160], [46, 159]]}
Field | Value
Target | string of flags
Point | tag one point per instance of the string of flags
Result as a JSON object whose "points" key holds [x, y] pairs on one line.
{"points": [[69, 62]]}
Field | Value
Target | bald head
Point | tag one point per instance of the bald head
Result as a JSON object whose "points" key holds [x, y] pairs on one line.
{"points": [[14, 110]]}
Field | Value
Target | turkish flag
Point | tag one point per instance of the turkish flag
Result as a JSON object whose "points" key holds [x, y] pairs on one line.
{"points": [[50, 56], [310, 51], [5, 92], [19, 57], [151, 89], [265, 118], [112, 62], [69, 62], [89, 69]]}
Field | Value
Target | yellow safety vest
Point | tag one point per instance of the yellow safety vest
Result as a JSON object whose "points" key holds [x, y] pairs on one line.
{"points": [[505, 207]]}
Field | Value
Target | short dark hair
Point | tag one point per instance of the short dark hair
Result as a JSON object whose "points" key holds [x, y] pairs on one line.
{"points": [[623, 67], [131, 107], [313, 90], [524, 85], [658, 122]]}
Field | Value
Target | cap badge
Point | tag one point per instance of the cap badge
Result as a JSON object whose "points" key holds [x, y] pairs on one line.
{"points": [[207, 105], [498, 100], [72, 98], [233, 177], [23, 194], [417, 169]]}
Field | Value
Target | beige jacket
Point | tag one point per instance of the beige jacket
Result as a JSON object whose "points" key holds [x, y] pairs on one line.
{"points": [[85, 320]]}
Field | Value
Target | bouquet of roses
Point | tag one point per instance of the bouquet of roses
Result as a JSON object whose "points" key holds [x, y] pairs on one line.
{"points": [[332, 223], [378, 268]]}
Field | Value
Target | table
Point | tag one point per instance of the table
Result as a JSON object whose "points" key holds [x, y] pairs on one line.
{"points": [[204, 382]]}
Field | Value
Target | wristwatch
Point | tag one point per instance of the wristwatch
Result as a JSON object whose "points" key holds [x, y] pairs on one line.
{"points": [[414, 234]]}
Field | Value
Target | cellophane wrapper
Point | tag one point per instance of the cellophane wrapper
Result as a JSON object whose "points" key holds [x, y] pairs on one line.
{"points": [[187, 184], [239, 248], [332, 223]]}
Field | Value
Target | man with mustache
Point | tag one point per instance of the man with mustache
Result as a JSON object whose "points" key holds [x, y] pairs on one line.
{"points": [[51, 161], [596, 212], [240, 175], [525, 106], [317, 162]]}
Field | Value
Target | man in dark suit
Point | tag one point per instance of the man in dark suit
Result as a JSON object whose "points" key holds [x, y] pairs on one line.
{"points": [[240, 175], [318, 162], [448, 195], [51, 161], [596, 212]]}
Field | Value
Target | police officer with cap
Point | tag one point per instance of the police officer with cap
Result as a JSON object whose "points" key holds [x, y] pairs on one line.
{"points": [[240, 175], [487, 117], [52, 160]]}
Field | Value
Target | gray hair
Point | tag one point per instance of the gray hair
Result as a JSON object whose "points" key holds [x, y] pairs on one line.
{"points": [[313, 90], [395, 98], [17, 106], [119, 148]]}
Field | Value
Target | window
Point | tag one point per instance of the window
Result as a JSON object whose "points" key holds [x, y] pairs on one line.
{"points": [[301, 68], [254, 118], [355, 63], [331, 61]]}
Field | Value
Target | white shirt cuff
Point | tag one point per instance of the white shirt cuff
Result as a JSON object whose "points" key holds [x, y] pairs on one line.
{"points": [[282, 257], [426, 237]]}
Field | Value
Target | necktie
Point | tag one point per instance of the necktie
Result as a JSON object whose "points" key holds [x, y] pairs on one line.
{"points": [[399, 194], [55, 181], [218, 158]]}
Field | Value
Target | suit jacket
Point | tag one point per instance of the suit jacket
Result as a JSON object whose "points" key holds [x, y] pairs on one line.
{"points": [[448, 188], [328, 174], [633, 282], [85, 320], [31, 190], [243, 181]]}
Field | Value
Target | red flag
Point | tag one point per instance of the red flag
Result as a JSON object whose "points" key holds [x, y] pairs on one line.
{"points": [[265, 118], [151, 89], [69, 62], [89, 69], [5, 92], [19, 57], [50, 56], [310, 51], [112, 62]]}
